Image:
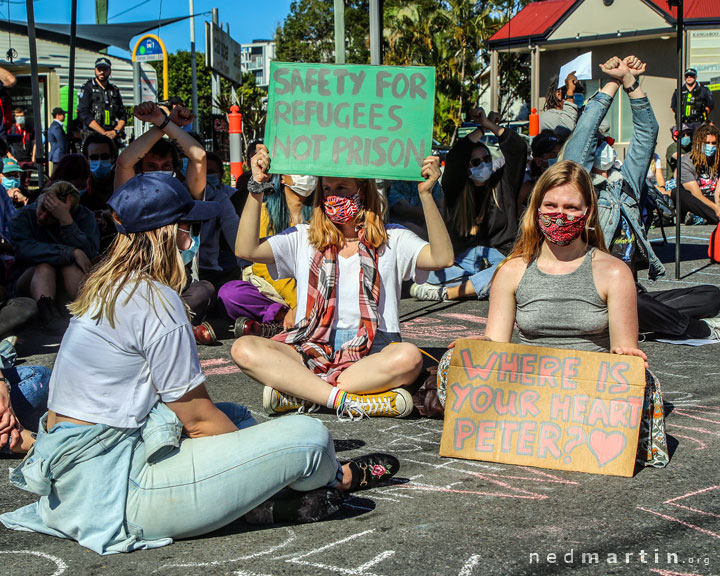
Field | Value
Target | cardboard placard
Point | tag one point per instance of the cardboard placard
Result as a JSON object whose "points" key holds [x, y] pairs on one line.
{"points": [[545, 407], [350, 120]]}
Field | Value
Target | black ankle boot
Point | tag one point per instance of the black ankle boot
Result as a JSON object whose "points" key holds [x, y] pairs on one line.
{"points": [[297, 507]]}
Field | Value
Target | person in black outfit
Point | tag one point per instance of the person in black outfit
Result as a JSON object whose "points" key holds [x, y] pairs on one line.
{"points": [[100, 106], [696, 99], [481, 195]]}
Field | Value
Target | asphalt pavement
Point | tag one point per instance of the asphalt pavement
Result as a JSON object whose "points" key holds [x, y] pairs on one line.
{"points": [[453, 517]]}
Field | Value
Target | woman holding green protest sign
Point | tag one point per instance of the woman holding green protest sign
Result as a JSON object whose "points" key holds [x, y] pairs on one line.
{"points": [[349, 268]]}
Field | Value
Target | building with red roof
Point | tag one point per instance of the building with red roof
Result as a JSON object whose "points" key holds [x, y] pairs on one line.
{"points": [[555, 32]]}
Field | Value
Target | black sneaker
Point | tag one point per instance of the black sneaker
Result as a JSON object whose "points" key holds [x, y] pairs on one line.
{"points": [[372, 469], [297, 507], [245, 326]]}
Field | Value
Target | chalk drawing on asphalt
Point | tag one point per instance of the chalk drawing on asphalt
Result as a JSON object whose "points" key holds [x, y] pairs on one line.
{"points": [[60, 565]]}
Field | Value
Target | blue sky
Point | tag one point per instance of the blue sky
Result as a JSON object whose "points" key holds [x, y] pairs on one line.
{"points": [[248, 19]]}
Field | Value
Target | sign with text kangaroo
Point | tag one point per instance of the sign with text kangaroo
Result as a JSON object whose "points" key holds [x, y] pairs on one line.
{"points": [[350, 120], [545, 407]]}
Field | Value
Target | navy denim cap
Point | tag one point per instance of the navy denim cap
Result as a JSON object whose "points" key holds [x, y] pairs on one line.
{"points": [[152, 200]]}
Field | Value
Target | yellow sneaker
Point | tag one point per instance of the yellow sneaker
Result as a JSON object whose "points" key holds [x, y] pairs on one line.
{"points": [[395, 403], [275, 402]]}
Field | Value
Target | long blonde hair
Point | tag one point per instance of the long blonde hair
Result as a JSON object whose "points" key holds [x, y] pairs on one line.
{"points": [[323, 233], [530, 238], [142, 256]]}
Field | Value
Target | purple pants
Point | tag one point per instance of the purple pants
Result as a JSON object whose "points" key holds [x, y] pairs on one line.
{"points": [[240, 298]]}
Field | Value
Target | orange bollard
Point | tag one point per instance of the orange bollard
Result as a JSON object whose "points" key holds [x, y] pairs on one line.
{"points": [[235, 131], [534, 123]]}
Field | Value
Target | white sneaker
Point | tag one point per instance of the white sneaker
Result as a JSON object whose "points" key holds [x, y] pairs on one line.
{"points": [[714, 324], [429, 292]]}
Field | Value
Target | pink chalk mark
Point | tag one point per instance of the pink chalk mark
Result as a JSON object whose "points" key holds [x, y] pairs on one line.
{"points": [[702, 444], [222, 370], [531, 496], [214, 362], [687, 524], [703, 430], [467, 317], [672, 502], [669, 573], [684, 413]]}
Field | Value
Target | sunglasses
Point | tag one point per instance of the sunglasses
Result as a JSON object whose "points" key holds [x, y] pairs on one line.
{"points": [[475, 162], [103, 156]]}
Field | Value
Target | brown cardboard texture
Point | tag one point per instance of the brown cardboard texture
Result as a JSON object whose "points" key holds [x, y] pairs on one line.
{"points": [[545, 407]]}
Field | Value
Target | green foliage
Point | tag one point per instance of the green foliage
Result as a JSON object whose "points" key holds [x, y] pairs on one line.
{"points": [[447, 34]]}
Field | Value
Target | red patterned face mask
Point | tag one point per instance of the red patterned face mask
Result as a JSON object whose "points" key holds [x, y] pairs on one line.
{"points": [[342, 210], [560, 228]]}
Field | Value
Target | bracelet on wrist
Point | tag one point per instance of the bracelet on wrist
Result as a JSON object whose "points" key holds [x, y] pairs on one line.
{"points": [[258, 188], [635, 86], [165, 122]]}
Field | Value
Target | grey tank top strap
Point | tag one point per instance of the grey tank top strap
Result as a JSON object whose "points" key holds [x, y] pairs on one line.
{"points": [[563, 310]]}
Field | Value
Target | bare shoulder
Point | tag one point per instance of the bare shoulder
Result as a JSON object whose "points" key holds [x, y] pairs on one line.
{"points": [[510, 273], [607, 264], [611, 274]]}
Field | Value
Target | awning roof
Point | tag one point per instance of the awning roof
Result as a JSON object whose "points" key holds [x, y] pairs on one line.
{"points": [[538, 19], [118, 35], [532, 21]]}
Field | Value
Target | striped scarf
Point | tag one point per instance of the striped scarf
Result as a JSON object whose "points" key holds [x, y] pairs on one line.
{"points": [[311, 337]]}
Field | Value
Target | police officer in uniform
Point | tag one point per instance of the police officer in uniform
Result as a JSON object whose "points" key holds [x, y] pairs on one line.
{"points": [[100, 106], [696, 100]]}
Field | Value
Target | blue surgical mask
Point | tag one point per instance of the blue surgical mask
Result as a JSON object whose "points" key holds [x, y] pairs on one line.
{"points": [[685, 141], [10, 183], [579, 100], [213, 180], [166, 172], [552, 161], [189, 254], [100, 168], [710, 149], [183, 168]]}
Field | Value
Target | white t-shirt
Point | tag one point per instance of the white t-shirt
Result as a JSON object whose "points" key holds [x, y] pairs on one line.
{"points": [[115, 376], [396, 262]]}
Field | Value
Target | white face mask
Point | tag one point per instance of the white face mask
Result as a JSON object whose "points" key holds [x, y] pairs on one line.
{"points": [[166, 172], [605, 157], [481, 174], [303, 185]]}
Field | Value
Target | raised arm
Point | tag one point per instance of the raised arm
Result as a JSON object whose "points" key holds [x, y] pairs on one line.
{"points": [[247, 243], [196, 173], [7, 78], [136, 150], [645, 128], [438, 254]]}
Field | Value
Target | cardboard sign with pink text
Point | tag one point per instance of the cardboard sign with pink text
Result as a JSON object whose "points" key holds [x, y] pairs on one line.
{"points": [[545, 407]]}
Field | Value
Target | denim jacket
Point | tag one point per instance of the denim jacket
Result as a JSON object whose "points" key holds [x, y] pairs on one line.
{"points": [[619, 196], [81, 475]]}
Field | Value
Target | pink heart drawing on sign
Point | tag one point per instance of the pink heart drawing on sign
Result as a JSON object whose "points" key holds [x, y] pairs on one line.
{"points": [[606, 446]]}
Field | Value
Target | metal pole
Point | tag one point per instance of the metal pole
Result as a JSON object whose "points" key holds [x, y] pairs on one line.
{"points": [[215, 86], [138, 127], [35, 89], [678, 120], [194, 67], [71, 74], [339, 14], [376, 24]]}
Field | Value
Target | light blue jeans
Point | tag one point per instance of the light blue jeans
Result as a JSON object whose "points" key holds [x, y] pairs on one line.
{"points": [[468, 266], [28, 395], [209, 482]]}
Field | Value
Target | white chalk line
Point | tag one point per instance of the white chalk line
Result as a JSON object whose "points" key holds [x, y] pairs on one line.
{"points": [[290, 539], [467, 569], [59, 563]]}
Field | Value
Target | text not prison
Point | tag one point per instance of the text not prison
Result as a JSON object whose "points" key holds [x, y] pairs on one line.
{"points": [[329, 81]]}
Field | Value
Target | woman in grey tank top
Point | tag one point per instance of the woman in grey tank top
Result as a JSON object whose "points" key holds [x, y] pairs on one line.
{"points": [[559, 283]]}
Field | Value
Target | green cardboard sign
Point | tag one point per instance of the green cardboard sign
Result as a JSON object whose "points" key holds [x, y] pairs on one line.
{"points": [[350, 120]]}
